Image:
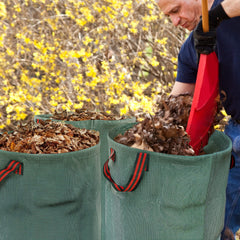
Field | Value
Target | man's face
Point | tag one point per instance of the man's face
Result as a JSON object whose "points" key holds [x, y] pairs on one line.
{"points": [[185, 13]]}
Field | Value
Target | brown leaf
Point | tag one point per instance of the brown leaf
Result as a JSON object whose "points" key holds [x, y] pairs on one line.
{"points": [[82, 115], [48, 137], [162, 132], [142, 146]]}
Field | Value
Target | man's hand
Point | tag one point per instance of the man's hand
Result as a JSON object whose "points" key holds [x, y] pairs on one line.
{"points": [[205, 43]]}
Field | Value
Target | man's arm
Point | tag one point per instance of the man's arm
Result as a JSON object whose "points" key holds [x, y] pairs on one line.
{"points": [[182, 88], [231, 7], [205, 42]]}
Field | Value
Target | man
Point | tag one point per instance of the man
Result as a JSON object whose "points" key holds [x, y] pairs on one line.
{"points": [[223, 38]]}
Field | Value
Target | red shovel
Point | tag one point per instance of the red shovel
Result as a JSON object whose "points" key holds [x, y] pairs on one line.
{"points": [[204, 105]]}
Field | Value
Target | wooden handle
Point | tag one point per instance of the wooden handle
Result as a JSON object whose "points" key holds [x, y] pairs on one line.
{"points": [[205, 22]]}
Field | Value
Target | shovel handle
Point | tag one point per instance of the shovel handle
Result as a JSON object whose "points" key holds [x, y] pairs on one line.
{"points": [[205, 22]]}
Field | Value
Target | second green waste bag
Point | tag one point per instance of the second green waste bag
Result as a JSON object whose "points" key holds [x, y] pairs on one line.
{"points": [[103, 126], [158, 196]]}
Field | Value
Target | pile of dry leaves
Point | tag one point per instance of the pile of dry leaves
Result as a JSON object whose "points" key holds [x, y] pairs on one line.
{"points": [[165, 131], [48, 137], [81, 115]]}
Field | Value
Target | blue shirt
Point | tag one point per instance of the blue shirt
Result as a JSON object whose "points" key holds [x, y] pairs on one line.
{"points": [[228, 52]]}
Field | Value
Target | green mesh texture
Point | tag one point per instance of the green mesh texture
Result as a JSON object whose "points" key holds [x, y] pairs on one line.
{"points": [[178, 198], [56, 198], [103, 126]]}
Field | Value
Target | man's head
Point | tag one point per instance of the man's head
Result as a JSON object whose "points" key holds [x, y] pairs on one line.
{"points": [[185, 13]]}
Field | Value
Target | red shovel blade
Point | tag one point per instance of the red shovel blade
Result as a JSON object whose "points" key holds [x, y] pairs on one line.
{"points": [[204, 105]]}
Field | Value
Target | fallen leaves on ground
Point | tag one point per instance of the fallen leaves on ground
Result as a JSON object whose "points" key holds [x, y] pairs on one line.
{"points": [[48, 137]]}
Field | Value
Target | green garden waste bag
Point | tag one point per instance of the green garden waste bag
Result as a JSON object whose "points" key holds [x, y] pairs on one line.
{"points": [[50, 196], [157, 196], [103, 126]]}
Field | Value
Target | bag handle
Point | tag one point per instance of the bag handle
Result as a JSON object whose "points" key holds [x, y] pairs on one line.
{"points": [[141, 165], [12, 167]]}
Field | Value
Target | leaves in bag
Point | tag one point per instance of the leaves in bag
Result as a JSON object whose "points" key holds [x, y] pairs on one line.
{"points": [[165, 131], [48, 137], [81, 115]]}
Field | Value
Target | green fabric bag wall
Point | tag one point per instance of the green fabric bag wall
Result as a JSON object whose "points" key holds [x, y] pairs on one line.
{"points": [[103, 126], [50, 196], [158, 196]]}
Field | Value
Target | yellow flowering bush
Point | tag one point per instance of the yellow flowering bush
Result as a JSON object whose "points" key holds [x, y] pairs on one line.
{"points": [[109, 55]]}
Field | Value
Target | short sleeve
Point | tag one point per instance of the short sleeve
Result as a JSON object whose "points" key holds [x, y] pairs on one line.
{"points": [[187, 62]]}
